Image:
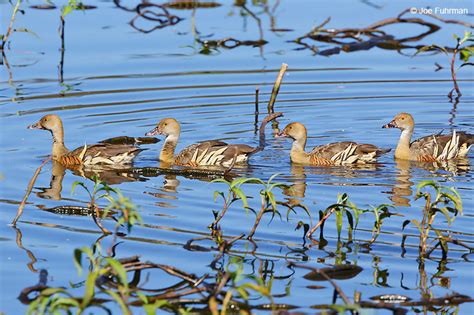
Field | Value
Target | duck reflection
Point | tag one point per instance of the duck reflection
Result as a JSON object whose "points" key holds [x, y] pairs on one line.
{"points": [[402, 190], [108, 176], [168, 191], [296, 191]]}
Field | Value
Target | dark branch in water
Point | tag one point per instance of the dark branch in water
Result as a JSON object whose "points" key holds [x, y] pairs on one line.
{"points": [[182, 171], [265, 121], [370, 36]]}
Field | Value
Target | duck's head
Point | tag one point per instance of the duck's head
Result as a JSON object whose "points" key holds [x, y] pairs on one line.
{"points": [[295, 131], [49, 122], [402, 121], [166, 127]]}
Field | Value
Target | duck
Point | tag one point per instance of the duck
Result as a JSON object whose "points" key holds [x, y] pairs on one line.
{"points": [[432, 148], [97, 154], [204, 153], [331, 154]]}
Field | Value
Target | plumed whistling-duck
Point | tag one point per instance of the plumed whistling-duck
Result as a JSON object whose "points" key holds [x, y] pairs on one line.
{"points": [[430, 148], [205, 153], [337, 153], [97, 154]]}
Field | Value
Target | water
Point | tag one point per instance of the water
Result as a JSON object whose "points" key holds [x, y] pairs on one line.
{"points": [[117, 81]]}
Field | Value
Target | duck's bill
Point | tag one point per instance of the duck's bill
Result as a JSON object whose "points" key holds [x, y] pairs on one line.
{"points": [[391, 124], [35, 126], [281, 134], [153, 132]]}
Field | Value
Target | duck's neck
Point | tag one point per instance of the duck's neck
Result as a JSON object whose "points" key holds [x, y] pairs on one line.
{"points": [[59, 149], [403, 148], [167, 152], [298, 154]]}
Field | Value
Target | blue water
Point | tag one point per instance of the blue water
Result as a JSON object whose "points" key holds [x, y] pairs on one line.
{"points": [[118, 81]]}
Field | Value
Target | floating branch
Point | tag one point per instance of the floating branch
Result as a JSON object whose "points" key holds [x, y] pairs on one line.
{"points": [[230, 43], [370, 36], [190, 5], [182, 171]]}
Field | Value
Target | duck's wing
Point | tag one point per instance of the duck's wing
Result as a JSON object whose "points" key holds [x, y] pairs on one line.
{"points": [[213, 152], [345, 152], [102, 154], [442, 147]]}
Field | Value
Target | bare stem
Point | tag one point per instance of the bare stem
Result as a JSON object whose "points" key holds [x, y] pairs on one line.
{"points": [[28, 191], [257, 221], [10, 27], [276, 88], [310, 233]]}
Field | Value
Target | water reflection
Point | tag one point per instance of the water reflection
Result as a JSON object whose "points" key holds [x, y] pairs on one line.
{"points": [[295, 192], [109, 176], [402, 190]]}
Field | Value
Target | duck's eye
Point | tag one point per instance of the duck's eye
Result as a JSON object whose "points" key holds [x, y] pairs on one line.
{"points": [[403, 118], [165, 124]]}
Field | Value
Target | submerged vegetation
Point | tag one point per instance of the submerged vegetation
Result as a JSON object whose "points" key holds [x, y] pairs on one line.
{"points": [[230, 287]]}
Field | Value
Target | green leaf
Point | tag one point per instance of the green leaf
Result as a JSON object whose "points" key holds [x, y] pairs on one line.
{"points": [[272, 177], [78, 260], [430, 48], [339, 223], [120, 301], [271, 198], [89, 289], [73, 188], [119, 269], [51, 291], [241, 196], [68, 302]]}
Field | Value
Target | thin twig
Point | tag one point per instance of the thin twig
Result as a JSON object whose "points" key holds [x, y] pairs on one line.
{"points": [[10, 26], [28, 191], [310, 233], [257, 91]]}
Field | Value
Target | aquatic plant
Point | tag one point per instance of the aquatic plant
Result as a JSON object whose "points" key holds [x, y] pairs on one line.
{"points": [[345, 207], [4, 38], [464, 52], [126, 209], [234, 193], [102, 270], [446, 201], [107, 281]]}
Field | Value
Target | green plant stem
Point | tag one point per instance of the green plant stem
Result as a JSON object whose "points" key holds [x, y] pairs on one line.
{"points": [[10, 26]]}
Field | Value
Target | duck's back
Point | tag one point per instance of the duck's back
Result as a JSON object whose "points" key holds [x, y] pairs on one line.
{"points": [[101, 154], [441, 147], [213, 152], [345, 152]]}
